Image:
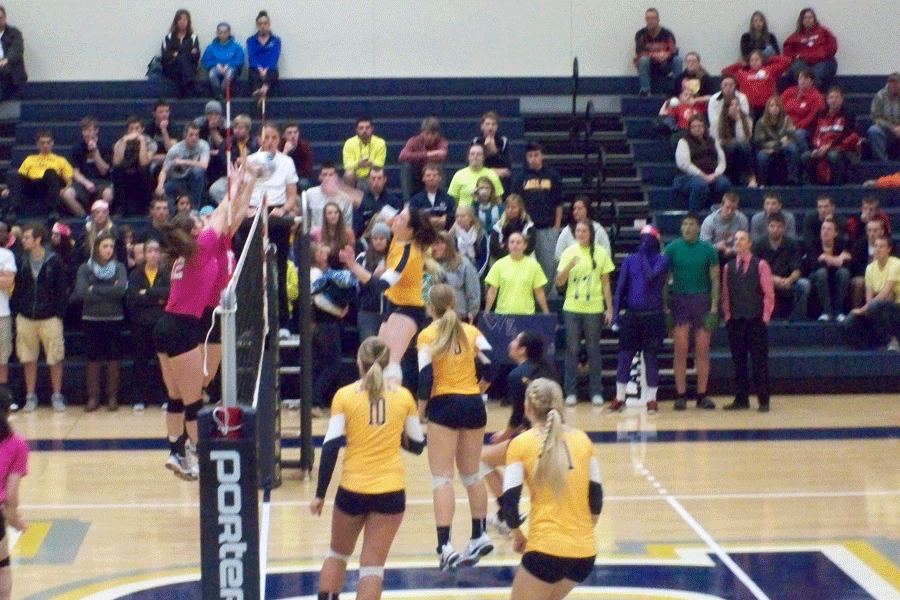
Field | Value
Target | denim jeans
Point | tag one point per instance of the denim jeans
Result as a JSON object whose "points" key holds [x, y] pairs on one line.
{"points": [[879, 137], [832, 287], [647, 69], [791, 156], [698, 191], [589, 324]]}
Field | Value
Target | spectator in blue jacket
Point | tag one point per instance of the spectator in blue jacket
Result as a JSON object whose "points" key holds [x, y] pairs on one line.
{"points": [[224, 59], [263, 50]]}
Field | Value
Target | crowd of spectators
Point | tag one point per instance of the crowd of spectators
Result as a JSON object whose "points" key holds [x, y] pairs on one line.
{"points": [[779, 116], [504, 241]]}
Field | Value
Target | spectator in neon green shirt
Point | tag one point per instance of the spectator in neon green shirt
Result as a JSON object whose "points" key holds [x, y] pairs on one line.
{"points": [[463, 184], [362, 152], [516, 281]]}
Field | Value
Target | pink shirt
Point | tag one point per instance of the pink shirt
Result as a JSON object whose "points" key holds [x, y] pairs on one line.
{"points": [[224, 256], [193, 281], [13, 459]]}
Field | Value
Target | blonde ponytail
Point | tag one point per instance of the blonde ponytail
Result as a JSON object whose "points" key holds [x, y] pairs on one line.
{"points": [[450, 330], [372, 359], [545, 398]]}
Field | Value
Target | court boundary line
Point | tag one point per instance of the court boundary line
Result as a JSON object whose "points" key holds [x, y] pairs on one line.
{"points": [[423, 501], [707, 539]]}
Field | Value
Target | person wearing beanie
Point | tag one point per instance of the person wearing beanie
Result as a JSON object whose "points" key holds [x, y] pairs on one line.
{"points": [[213, 129], [223, 59], [368, 302], [638, 313]]}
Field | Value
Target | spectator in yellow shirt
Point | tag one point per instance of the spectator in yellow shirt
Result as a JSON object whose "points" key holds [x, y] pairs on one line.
{"points": [[41, 178], [362, 152]]}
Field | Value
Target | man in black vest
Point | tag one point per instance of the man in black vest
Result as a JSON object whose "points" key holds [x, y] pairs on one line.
{"points": [[748, 299]]}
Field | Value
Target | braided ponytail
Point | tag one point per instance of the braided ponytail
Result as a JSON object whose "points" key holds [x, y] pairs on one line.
{"points": [[545, 398]]}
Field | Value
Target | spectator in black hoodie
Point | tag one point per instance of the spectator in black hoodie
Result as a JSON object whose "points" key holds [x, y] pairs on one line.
{"points": [[39, 301]]}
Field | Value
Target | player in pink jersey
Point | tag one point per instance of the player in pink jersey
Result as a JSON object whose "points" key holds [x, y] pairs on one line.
{"points": [[195, 273], [13, 467], [211, 326]]}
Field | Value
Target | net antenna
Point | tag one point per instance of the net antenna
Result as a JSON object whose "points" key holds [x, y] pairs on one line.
{"points": [[244, 312]]}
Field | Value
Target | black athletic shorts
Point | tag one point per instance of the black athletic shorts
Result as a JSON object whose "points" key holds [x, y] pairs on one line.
{"points": [[210, 320], [175, 334], [457, 411], [416, 313], [553, 569], [356, 504]]}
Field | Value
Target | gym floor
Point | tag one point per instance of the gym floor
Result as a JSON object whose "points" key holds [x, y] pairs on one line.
{"points": [[800, 503]]}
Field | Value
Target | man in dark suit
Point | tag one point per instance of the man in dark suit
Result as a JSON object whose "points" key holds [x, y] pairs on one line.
{"points": [[12, 63], [748, 299]]}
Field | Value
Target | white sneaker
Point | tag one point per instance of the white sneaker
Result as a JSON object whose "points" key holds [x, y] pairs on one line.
{"points": [[192, 460], [824, 317], [597, 400], [475, 549], [494, 523], [448, 557], [840, 318], [180, 466], [59, 402], [571, 400], [894, 345], [30, 403], [139, 407]]}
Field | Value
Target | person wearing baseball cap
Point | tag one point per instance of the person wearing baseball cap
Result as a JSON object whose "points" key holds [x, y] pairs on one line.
{"points": [[638, 313]]}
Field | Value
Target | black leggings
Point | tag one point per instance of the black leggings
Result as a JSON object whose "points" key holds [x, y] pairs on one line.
{"points": [[271, 79]]}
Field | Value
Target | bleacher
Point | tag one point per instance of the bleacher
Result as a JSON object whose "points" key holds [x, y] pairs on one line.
{"points": [[808, 357], [804, 357]]}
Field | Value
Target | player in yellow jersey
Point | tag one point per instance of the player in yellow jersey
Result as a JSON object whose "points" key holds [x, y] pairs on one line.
{"points": [[377, 417], [563, 476], [448, 379], [401, 283]]}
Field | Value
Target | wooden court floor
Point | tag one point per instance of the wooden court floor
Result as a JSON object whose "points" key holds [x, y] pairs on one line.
{"points": [[800, 503]]}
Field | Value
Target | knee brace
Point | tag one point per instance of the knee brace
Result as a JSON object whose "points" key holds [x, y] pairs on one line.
{"points": [[175, 407], [469, 480], [437, 481], [328, 596], [371, 572], [192, 410], [393, 371], [341, 557]]}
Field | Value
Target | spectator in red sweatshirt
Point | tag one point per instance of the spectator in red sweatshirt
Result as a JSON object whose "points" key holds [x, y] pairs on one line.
{"points": [[813, 46], [802, 103], [758, 80], [834, 143]]}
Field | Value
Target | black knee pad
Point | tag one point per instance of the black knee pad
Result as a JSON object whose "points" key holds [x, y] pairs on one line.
{"points": [[176, 407], [192, 410], [4, 562]]}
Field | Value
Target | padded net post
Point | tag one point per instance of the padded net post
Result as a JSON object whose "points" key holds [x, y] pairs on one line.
{"points": [[228, 309]]}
